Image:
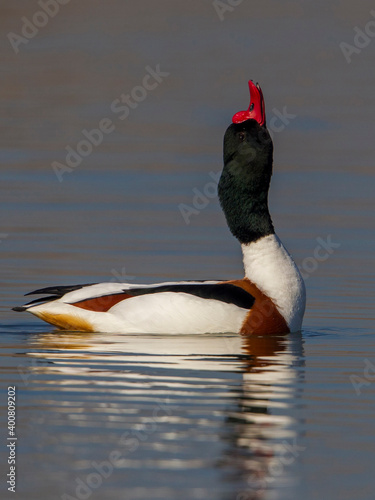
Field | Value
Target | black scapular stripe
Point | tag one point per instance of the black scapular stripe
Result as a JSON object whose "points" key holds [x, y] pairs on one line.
{"points": [[225, 292], [59, 291]]}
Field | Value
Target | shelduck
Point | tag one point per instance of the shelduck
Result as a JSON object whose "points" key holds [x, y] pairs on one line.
{"points": [[269, 299]]}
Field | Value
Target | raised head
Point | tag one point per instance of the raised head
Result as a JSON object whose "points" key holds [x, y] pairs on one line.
{"points": [[245, 180]]}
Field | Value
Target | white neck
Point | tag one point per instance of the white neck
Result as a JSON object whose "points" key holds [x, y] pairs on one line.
{"points": [[270, 267]]}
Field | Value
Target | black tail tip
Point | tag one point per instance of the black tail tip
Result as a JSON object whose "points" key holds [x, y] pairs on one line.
{"points": [[19, 308]]}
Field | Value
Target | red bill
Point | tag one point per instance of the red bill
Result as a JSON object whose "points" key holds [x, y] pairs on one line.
{"points": [[256, 110]]}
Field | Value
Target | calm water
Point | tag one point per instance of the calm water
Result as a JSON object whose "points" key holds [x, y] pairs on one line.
{"points": [[152, 417]]}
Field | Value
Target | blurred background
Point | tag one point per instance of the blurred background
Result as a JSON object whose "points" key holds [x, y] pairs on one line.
{"points": [[162, 81], [118, 215]]}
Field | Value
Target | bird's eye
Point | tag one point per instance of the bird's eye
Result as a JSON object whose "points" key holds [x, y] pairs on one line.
{"points": [[242, 136]]}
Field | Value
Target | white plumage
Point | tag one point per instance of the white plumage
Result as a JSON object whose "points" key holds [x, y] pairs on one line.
{"points": [[268, 264]]}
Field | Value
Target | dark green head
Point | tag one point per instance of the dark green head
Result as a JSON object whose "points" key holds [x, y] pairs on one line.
{"points": [[244, 183]]}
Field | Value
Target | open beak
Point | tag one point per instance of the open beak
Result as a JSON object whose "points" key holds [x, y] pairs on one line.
{"points": [[256, 110]]}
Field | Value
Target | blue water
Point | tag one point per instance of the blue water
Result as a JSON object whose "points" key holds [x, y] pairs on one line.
{"points": [[216, 417]]}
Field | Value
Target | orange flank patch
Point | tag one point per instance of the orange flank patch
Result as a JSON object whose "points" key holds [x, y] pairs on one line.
{"points": [[102, 304], [66, 322], [264, 316]]}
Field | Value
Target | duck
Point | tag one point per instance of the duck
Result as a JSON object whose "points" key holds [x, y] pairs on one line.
{"points": [[269, 299]]}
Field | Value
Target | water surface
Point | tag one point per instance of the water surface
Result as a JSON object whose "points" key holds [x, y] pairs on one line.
{"points": [[216, 417]]}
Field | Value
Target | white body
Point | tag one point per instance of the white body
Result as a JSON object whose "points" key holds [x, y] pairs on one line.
{"points": [[165, 312], [270, 266], [267, 264]]}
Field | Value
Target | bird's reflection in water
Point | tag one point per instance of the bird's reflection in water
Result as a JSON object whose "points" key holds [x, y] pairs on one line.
{"points": [[261, 433], [230, 394]]}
